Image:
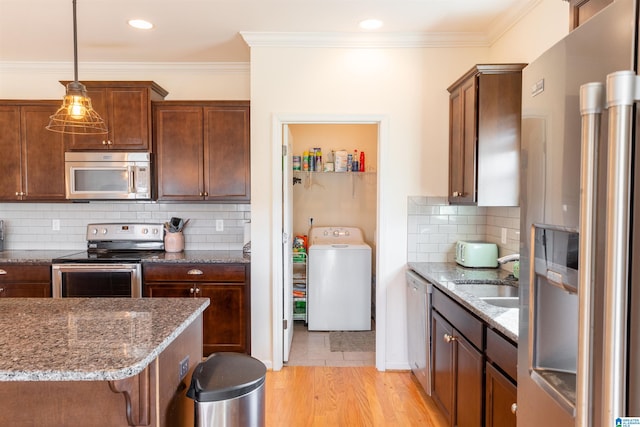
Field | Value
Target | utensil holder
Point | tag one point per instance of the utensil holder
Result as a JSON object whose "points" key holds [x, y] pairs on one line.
{"points": [[174, 242]]}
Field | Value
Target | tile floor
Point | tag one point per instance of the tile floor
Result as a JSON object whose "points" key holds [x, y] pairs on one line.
{"points": [[312, 349]]}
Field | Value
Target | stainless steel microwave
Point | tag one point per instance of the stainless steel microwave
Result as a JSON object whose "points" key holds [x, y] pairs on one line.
{"points": [[107, 176]]}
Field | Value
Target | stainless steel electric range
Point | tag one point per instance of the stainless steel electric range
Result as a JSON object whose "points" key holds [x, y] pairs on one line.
{"points": [[112, 264]]}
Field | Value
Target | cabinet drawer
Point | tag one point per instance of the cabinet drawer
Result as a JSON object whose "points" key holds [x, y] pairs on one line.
{"points": [[15, 273], [502, 353], [468, 325], [178, 272]]}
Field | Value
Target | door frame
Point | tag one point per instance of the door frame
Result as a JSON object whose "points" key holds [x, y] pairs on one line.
{"points": [[278, 122]]}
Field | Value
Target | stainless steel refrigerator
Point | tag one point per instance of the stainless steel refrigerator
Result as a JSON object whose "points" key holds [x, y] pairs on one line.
{"points": [[579, 350]]}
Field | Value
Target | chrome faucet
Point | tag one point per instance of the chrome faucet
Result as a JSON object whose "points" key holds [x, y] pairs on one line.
{"points": [[508, 258]]}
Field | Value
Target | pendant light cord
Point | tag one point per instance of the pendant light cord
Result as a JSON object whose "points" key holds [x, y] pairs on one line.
{"points": [[75, 43]]}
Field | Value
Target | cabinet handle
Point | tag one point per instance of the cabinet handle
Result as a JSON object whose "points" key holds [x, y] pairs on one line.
{"points": [[448, 338], [1, 289], [104, 142], [3, 272], [192, 290], [514, 408], [456, 194], [195, 272]]}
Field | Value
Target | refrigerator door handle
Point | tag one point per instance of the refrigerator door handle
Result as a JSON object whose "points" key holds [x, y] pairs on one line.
{"points": [[591, 106], [622, 92]]}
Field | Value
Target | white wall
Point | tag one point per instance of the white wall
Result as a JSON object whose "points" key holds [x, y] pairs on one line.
{"points": [[534, 33], [187, 81], [407, 86]]}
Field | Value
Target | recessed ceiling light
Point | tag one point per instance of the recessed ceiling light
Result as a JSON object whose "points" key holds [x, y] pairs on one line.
{"points": [[371, 24], [140, 24]]}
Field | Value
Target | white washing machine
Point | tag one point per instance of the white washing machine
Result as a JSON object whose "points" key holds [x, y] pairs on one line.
{"points": [[339, 280]]}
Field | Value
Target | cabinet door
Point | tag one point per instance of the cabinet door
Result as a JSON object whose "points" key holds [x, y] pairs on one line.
{"points": [[226, 152], [25, 290], [129, 119], [469, 376], [178, 139], [225, 319], [443, 366], [10, 160], [500, 395], [42, 156], [462, 143]]}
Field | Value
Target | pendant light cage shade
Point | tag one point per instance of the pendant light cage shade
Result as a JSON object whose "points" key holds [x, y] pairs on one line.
{"points": [[76, 116]]}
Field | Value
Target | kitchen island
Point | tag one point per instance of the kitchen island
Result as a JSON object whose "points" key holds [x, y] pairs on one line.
{"points": [[98, 361]]}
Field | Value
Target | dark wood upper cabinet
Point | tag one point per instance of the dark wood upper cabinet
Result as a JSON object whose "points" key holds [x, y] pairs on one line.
{"points": [[32, 160], [580, 11], [202, 150], [125, 107], [484, 130]]}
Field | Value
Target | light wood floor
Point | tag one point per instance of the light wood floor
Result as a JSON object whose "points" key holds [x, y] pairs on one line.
{"points": [[300, 396]]}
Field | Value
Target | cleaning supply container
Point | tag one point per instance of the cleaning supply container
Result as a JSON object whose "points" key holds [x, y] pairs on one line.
{"points": [[228, 389]]}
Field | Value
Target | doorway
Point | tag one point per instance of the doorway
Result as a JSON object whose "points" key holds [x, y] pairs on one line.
{"points": [[282, 251], [324, 197]]}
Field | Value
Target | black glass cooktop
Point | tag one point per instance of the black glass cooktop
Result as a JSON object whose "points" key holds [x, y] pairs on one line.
{"points": [[106, 256]]}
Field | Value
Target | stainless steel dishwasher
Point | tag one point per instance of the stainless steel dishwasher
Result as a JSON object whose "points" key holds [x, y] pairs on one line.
{"points": [[419, 328]]}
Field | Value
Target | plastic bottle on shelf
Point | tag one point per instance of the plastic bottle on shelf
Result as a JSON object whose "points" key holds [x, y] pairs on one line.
{"points": [[362, 161], [312, 160], [356, 164], [305, 161], [349, 162], [318, 160]]}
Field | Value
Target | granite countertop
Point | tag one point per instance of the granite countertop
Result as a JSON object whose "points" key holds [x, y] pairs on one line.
{"points": [[212, 257], [200, 256], [445, 276], [88, 339]]}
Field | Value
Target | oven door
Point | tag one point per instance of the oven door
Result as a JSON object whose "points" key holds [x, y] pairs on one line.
{"points": [[82, 280]]}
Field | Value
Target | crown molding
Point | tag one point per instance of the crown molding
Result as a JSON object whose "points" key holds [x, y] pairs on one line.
{"points": [[360, 40], [118, 67]]}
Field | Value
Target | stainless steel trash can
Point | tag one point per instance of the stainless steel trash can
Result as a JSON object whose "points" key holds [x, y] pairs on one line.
{"points": [[228, 389]]}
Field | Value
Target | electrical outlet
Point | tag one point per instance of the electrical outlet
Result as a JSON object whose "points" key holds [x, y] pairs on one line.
{"points": [[504, 236], [55, 225], [219, 225], [184, 367]]}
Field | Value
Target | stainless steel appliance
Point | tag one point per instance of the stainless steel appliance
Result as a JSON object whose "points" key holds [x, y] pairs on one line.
{"points": [[579, 333], [111, 266], [419, 328], [107, 175]]}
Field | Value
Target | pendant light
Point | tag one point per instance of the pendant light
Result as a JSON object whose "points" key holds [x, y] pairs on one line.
{"points": [[76, 115]]}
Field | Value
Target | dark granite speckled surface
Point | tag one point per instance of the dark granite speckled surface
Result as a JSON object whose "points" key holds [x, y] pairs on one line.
{"points": [[209, 257], [88, 339], [445, 276]]}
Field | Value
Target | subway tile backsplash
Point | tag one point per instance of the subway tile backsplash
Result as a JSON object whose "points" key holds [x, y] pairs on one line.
{"points": [[30, 225], [434, 226]]}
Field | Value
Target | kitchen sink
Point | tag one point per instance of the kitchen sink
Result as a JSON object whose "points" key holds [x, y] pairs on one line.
{"points": [[485, 290], [506, 302]]}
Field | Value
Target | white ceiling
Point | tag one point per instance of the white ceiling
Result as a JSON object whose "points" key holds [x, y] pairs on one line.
{"points": [[209, 30]]}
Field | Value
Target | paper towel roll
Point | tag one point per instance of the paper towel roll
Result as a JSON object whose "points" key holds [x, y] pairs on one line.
{"points": [[247, 233]]}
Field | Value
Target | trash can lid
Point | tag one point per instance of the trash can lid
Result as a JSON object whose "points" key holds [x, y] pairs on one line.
{"points": [[223, 376]]}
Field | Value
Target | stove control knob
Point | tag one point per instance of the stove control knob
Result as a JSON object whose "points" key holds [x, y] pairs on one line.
{"points": [[104, 231], [145, 231], [94, 231]]}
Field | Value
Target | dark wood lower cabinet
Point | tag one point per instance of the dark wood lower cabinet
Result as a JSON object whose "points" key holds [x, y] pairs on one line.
{"points": [[473, 368], [25, 281], [500, 395], [458, 375], [227, 319]]}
